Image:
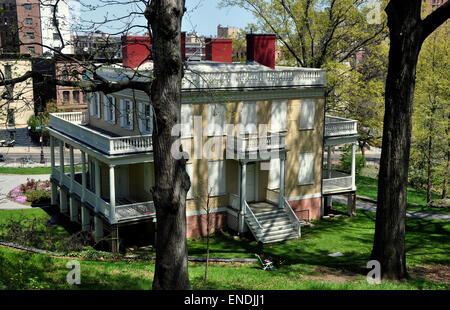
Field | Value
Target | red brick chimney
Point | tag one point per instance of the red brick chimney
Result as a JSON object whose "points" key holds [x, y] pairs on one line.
{"points": [[220, 50], [261, 48], [135, 51]]}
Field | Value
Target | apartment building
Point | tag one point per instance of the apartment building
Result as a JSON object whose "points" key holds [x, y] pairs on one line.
{"points": [[255, 137], [28, 26]]}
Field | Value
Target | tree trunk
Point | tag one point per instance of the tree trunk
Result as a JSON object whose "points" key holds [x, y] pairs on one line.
{"points": [[171, 179], [405, 42]]}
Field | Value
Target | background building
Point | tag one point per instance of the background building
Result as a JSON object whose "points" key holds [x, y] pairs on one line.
{"points": [[97, 45]]}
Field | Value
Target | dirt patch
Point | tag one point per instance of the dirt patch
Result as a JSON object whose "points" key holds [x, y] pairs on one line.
{"points": [[332, 275], [435, 273]]}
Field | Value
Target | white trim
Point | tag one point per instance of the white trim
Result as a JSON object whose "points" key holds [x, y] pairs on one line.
{"points": [[203, 212], [294, 198]]}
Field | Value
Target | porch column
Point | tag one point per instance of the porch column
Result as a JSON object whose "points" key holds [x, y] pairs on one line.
{"points": [[98, 233], [54, 198], [52, 152], [72, 169], [85, 218], [97, 184], [83, 176], [62, 201], [329, 162], [112, 194], [61, 161], [243, 178], [73, 209], [328, 199], [353, 166], [282, 174]]}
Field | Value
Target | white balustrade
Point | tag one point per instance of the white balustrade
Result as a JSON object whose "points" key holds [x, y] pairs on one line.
{"points": [[72, 124], [339, 181], [251, 144], [339, 126]]}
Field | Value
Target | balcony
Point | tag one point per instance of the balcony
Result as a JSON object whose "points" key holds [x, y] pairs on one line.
{"points": [[336, 182], [339, 127], [123, 211], [74, 124], [256, 144]]}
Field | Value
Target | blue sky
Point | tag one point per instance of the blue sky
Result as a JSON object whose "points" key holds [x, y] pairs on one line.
{"points": [[202, 16]]}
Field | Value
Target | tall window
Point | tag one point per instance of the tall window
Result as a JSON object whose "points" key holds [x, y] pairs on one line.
{"points": [[66, 97], [126, 111], [307, 114], [278, 115], [306, 169], [248, 118], [109, 105], [216, 178], [76, 97], [186, 120], [216, 119]]}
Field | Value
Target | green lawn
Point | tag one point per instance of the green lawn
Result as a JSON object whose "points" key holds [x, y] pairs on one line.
{"points": [[34, 170], [29, 170], [367, 186], [306, 264]]}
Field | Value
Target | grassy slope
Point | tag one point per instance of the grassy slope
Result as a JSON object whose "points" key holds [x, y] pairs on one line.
{"points": [[367, 186], [428, 243], [32, 170]]}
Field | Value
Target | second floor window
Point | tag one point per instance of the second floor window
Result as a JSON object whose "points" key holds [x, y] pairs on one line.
{"points": [[126, 114], [110, 104], [146, 118], [27, 6], [66, 97], [248, 118], [28, 21], [307, 114], [76, 97], [30, 35]]}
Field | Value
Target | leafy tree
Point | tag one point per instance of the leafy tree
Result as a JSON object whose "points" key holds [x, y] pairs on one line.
{"points": [[430, 134], [407, 32]]}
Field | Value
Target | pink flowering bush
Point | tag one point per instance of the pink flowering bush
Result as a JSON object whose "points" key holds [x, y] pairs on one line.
{"points": [[32, 191]]}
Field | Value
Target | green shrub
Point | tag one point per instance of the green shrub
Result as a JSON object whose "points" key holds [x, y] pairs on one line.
{"points": [[38, 196], [346, 161]]}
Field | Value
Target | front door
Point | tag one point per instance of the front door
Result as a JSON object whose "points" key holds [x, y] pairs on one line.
{"points": [[250, 191]]}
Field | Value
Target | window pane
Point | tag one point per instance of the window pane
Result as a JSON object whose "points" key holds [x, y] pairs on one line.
{"points": [[307, 114]]}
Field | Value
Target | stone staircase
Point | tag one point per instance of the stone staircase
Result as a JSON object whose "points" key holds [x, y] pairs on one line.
{"points": [[268, 223]]}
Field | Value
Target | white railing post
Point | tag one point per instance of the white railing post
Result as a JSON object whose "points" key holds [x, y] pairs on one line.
{"points": [[353, 166], [97, 184], [282, 174], [243, 178], [112, 194], [61, 160], [72, 169], [83, 176]]}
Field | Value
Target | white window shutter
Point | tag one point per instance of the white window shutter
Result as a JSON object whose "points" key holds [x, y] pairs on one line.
{"points": [[114, 103], [91, 104], [306, 168], [274, 173], [307, 114], [278, 115]]}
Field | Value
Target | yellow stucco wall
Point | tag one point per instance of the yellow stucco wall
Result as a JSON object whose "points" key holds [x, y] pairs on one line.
{"points": [[23, 103]]}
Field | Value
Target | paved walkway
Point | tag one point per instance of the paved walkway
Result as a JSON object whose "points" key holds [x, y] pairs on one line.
{"points": [[8, 182], [369, 206]]}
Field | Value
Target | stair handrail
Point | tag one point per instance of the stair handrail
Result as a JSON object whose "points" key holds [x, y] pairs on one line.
{"points": [[294, 218], [249, 211]]}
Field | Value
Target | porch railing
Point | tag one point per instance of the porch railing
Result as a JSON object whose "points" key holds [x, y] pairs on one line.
{"points": [[292, 216], [72, 125], [339, 126], [337, 181]]}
